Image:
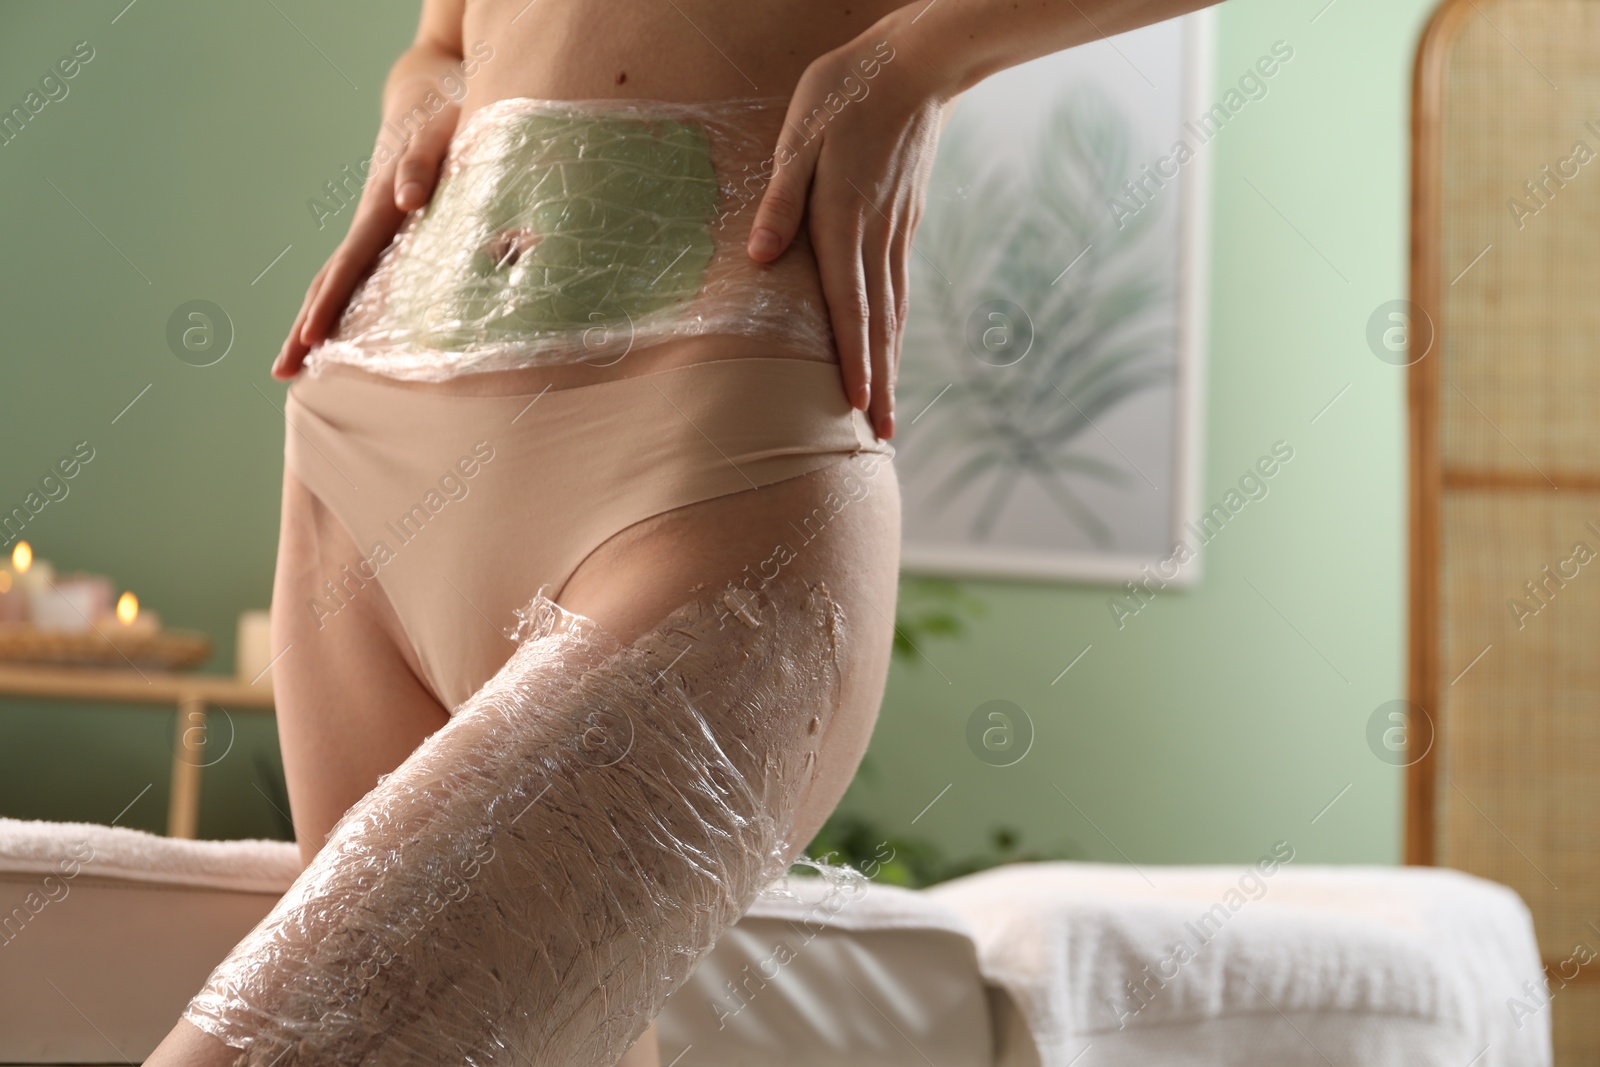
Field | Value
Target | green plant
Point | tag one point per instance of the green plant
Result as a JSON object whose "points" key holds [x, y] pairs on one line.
{"points": [[932, 607], [915, 863]]}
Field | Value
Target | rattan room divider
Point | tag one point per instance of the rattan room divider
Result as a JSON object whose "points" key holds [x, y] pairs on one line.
{"points": [[1504, 772]]}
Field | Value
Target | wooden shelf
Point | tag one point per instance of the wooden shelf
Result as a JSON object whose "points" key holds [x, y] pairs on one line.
{"points": [[193, 695], [132, 687]]}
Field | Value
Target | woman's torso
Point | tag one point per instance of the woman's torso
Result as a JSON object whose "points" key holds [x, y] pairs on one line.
{"points": [[682, 51]]}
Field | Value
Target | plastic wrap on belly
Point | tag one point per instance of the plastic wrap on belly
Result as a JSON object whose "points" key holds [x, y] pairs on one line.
{"points": [[535, 879], [568, 231]]}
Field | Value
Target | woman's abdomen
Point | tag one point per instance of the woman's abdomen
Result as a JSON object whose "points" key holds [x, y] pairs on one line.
{"points": [[587, 233]]}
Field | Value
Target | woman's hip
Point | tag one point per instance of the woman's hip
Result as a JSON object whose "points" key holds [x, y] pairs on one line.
{"points": [[465, 507]]}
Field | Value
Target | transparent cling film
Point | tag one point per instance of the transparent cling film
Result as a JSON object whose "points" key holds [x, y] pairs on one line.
{"points": [[535, 879], [567, 231]]}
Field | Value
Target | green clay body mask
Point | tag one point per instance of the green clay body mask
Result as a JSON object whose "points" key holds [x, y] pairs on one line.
{"points": [[565, 231]]}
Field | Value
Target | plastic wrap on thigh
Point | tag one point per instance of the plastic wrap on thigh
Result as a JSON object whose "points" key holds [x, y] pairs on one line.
{"points": [[535, 879]]}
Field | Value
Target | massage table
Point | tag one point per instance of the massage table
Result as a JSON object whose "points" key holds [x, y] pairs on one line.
{"points": [[1026, 965]]}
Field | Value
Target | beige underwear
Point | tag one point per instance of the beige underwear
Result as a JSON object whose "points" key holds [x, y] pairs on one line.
{"points": [[464, 507]]}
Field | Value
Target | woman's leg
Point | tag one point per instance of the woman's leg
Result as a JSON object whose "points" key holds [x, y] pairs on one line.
{"points": [[609, 816], [350, 703], [350, 707]]}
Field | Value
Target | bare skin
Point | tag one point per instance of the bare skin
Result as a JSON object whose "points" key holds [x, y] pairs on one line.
{"points": [[351, 706]]}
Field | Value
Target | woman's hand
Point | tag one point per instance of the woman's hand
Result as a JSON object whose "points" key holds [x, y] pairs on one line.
{"points": [[853, 161], [402, 184]]}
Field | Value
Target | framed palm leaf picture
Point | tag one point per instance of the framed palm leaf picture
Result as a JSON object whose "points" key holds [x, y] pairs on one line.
{"points": [[1049, 401]]}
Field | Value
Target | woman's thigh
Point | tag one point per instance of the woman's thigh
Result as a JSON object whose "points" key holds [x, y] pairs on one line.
{"points": [[350, 706], [839, 526]]}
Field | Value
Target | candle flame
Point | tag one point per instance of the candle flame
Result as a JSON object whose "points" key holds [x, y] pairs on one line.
{"points": [[127, 608], [22, 557]]}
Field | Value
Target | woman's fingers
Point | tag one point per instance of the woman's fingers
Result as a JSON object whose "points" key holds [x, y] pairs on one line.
{"points": [[844, 287], [784, 202], [418, 171], [383, 206], [293, 353], [881, 331], [855, 173], [392, 191], [900, 294], [377, 218]]}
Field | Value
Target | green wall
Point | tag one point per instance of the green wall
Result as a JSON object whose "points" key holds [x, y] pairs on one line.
{"points": [[1218, 721]]}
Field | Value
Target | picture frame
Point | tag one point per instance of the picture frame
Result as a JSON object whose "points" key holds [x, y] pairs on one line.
{"points": [[1015, 477]]}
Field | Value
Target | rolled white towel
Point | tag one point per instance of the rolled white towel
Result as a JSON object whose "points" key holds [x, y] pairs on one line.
{"points": [[248, 866]]}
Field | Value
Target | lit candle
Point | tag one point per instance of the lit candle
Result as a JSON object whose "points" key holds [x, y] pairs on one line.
{"points": [[131, 619], [16, 583], [13, 598], [31, 579], [30, 573]]}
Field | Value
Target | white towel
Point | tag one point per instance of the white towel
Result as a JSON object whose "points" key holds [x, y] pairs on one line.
{"points": [[249, 866], [1374, 966]]}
